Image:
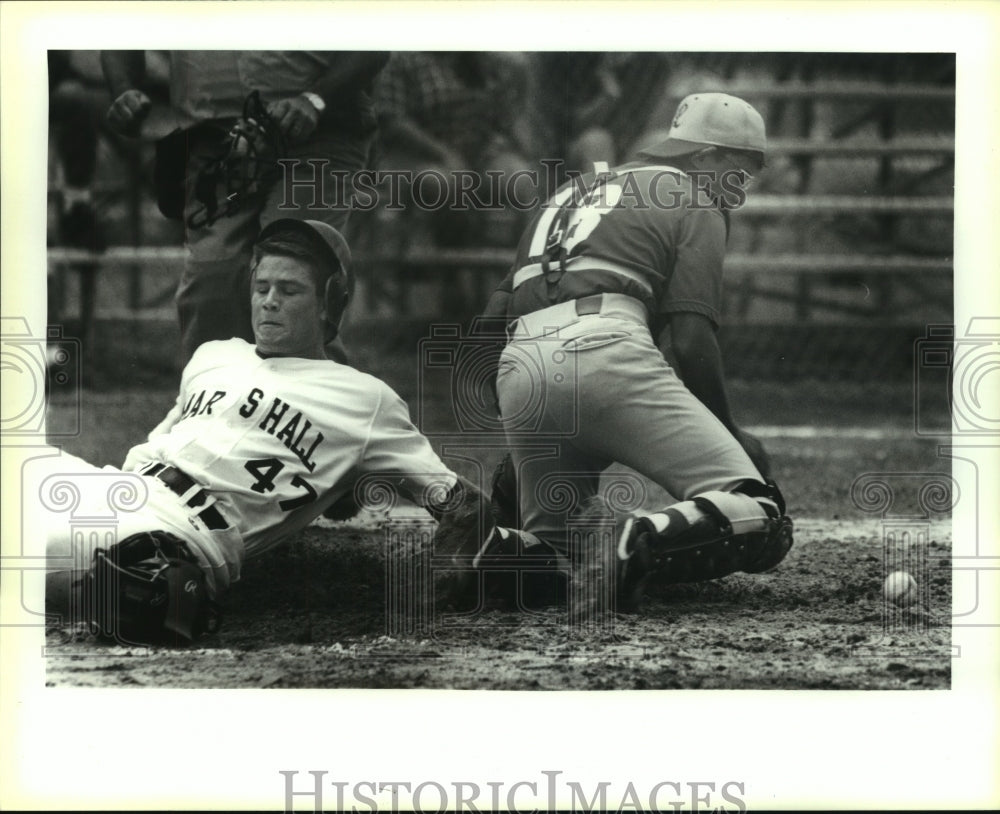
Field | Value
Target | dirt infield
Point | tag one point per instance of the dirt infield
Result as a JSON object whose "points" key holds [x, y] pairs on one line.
{"points": [[312, 613], [818, 622]]}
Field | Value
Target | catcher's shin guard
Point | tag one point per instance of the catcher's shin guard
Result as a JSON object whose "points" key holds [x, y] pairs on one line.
{"points": [[710, 536]]}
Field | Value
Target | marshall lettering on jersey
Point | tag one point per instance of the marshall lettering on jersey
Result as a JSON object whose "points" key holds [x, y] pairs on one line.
{"points": [[194, 404], [283, 422], [291, 434]]}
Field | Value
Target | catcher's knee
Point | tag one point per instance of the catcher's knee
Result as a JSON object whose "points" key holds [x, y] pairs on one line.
{"points": [[710, 536]]}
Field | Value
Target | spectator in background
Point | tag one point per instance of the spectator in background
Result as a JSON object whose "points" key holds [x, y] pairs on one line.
{"points": [[75, 102], [322, 104], [450, 111], [593, 106]]}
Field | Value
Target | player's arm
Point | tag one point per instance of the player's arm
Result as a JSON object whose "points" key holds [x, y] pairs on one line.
{"points": [[695, 349], [499, 301], [297, 116], [135, 457], [125, 73], [401, 458], [348, 70]]}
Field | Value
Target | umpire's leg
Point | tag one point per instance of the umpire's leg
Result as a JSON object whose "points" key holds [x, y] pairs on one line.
{"points": [[213, 298]]}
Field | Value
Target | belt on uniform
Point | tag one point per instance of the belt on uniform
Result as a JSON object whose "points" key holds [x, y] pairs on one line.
{"points": [[551, 319], [193, 495]]}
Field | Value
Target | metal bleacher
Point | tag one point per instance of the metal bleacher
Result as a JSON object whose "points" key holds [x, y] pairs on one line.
{"points": [[802, 271]]}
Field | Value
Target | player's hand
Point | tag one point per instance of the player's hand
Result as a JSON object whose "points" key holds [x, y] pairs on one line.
{"points": [[128, 112], [344, 508], [295, 116], [755, 449]]}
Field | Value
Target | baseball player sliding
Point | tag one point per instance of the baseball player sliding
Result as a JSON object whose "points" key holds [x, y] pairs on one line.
{"points": [[262, 439], [616, 274]]}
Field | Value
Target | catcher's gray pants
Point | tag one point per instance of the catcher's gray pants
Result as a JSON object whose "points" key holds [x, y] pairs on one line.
{"points": [[578, 393], [213, 298]]}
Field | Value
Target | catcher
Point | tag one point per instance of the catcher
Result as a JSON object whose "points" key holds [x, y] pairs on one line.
{"points": [[263, 438], [617, 274]]}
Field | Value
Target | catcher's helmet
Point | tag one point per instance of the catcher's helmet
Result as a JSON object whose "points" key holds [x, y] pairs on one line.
{"points": [[334, 256], [711, 120], [244, 167], [149, 589]]}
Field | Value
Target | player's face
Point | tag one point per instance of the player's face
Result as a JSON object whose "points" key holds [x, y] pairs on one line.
{"points": [[287, 311], [726, 171]]}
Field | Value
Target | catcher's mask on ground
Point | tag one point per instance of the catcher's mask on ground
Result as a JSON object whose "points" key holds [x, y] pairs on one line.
{"points": [[712, 120], [332, 262], [149, 589]]}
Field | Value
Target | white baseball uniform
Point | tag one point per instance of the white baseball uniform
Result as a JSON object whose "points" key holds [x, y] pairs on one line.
{"points": [[268, 444]]}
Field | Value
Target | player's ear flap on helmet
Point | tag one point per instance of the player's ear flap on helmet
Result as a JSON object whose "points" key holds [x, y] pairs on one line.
{"points": [[336, 298]]}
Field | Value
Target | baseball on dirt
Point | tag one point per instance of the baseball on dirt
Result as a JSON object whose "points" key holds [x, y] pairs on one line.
{"points": [[900, 588]]}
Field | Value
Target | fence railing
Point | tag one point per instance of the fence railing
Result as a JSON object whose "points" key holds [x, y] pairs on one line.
{"points": [[753, 269]]}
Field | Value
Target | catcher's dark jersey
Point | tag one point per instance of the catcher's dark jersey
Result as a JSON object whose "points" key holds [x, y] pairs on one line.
{"points": [[643, 231]]}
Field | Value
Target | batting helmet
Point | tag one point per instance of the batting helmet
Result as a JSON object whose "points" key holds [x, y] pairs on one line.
{"points": [[149, 588], [711, 120], [334, 256]]}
